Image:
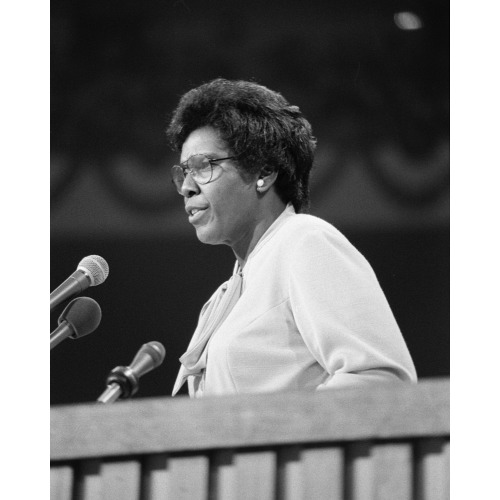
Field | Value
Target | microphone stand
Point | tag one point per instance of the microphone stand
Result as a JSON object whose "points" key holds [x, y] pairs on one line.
{"points": [[59, 334], [121, 382]]}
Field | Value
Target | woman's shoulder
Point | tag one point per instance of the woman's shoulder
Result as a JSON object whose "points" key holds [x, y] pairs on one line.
{"points": [[305, 226], [303, 236], [307, 236]]}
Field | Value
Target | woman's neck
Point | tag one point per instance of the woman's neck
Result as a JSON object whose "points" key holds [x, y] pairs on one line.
{"points": [[243, 248]]}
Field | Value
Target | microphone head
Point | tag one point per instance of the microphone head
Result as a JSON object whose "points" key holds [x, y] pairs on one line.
{"points": [[95, 267], [156, 351], [83, 314], [149, 356]]}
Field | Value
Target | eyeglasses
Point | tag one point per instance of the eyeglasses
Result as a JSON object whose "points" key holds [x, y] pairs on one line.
{"points": [[199, 166]]}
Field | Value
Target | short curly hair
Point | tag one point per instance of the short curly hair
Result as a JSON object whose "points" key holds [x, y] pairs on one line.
{"points": [[260, 127]]}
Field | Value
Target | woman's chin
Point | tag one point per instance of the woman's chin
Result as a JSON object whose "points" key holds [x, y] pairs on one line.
{"points": [[206, 236]]}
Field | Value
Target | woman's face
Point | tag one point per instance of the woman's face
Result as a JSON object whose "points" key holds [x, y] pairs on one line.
{"points": [[227, 205]]}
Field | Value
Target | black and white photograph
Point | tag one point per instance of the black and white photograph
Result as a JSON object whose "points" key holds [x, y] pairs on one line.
{"points": [[250, 250]]}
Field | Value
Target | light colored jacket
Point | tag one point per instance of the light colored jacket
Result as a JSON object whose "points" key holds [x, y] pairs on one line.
{"points": [[306, 312]]}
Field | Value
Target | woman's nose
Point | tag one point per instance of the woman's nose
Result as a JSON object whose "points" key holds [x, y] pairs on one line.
{"points": [[189, 187]]}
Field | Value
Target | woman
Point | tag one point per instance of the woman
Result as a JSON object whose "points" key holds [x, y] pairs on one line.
{"points": [[303, 309]]}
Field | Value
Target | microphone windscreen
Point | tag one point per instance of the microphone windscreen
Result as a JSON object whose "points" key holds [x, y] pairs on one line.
{"points": [[83, 314], [95, 267]]}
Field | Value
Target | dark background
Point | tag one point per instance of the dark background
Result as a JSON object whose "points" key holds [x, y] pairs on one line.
{"points": [[376, 95]]}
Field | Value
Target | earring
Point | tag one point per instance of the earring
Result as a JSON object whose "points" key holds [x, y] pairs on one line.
{"points": [[260, 183]]}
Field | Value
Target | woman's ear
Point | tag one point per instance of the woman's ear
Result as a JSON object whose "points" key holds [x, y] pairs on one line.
{"points": [[266, 179]]}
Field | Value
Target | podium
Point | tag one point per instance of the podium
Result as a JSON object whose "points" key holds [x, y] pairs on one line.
{"points": [[385, 442]]}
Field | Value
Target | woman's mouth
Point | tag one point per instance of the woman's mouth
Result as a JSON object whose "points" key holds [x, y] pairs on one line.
{"points": [[195, 214]]}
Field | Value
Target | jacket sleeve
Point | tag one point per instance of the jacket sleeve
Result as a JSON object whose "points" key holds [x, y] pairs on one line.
{"points": [[342, 313]]}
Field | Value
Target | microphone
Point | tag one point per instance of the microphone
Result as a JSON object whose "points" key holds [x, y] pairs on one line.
{"points": [[123, 381], [80, 317], [91, 271]]}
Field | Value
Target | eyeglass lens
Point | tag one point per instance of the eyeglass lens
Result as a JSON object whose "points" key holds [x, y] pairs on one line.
{"points": [[198, 166]]}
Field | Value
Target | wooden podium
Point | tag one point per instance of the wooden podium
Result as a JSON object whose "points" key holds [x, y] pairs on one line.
{"points": [[389, 442]]}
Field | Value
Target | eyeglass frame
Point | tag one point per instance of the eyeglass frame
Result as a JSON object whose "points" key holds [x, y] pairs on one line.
{"points": [[186, 170]]}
